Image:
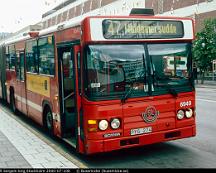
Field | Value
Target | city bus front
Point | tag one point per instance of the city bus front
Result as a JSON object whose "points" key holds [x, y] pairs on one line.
{"points": [[138, 82]]}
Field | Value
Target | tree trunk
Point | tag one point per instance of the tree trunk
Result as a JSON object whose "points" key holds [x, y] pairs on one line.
{"points": [[202, 77]]}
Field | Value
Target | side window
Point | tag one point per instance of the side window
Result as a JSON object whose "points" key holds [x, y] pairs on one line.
{"points": [[67, 65], [7, 56], [31, 56], [7, 61], [12, 57], [22, 72], [79, 70], [18, 65], [12, 60], [46, 55]]}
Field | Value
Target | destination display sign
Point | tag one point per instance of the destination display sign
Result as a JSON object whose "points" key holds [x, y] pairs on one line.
{"points": [[142, 29]]}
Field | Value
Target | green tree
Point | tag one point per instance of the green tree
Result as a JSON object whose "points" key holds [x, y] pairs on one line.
{"points": [[204, 47]]}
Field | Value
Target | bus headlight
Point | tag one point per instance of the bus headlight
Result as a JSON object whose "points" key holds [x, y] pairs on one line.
{"points": [[115, 123], [103, 125], [189, 113], [180, 114]]}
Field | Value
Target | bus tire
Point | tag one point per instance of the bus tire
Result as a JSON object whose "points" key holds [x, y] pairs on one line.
{"points": [[48, 121], [12, 102]]}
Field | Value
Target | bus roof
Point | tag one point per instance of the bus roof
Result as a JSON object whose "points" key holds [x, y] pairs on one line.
{"points": [[77, 22]]}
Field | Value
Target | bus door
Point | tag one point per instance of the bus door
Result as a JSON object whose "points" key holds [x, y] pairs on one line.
{"points": [[23, 82], [69, 93], [20, 82]]}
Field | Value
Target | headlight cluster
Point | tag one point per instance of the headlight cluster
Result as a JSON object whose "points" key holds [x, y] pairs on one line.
{"points": [[188, 113], [114, 123]]}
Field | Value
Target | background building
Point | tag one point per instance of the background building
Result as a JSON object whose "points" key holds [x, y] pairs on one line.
{"points": [[197, 9], [78, 9]]}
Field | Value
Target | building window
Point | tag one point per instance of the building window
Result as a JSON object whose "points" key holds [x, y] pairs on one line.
{"points": [[31, 56], [46, 55]]}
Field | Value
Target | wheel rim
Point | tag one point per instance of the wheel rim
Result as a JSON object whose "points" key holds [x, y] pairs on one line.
{"points": [[49, 121]]}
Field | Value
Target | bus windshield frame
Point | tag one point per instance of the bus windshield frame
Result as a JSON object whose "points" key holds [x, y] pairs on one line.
{"points": [[137, 70]]}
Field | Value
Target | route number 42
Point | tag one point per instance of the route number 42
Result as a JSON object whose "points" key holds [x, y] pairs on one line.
{"points": [[184, 104]]}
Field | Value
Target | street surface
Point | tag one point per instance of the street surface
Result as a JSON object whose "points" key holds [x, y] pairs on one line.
{"points": [[195, 152]]}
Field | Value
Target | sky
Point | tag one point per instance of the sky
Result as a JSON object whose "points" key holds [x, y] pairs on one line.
{"points": [[17, 14]]}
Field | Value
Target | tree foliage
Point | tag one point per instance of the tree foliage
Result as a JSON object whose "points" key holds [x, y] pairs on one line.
{"points": [[204, 48]]}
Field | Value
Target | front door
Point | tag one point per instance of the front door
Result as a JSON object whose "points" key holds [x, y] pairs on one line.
{"points": [[20, 93], [67, 91]]}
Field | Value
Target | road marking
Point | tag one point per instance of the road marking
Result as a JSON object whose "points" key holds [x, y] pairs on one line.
{"points": [[206, 100]]}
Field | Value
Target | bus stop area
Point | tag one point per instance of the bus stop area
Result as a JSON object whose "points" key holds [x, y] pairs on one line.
{"points": [[20, 148]]}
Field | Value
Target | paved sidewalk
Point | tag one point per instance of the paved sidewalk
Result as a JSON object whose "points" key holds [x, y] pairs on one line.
{"points": [[10, 157], [20, 148]]}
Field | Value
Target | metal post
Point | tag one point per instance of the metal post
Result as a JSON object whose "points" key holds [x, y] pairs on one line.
{"points": [[213, 70]]}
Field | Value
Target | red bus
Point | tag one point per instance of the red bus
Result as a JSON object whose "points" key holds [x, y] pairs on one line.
{"points": [[102, 84]]}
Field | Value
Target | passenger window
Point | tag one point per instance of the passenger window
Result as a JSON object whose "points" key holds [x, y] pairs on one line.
{"points": [[67, 65], [7, 61], [79, 70], [31, 56], [46, 56], [18, 66], [22, 63], [12, 57], [12, 61]]}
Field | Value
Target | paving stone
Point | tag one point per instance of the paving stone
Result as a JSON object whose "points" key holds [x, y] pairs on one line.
{"points": [[10, 156], [21, 148], [3, 165]]}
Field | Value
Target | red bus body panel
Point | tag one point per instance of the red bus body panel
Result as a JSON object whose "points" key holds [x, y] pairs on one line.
{"points": [[130, 114]]}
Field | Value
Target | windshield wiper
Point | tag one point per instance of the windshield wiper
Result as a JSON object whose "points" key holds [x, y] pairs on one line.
{"points": [[127, 94], [141, 77], [170, 90]]}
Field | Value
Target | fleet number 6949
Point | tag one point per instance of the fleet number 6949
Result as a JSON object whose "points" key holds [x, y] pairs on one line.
{"points": [[187, 103]]}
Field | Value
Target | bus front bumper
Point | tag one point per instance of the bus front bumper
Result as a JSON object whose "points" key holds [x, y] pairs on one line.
{"points": [[106, 145]]}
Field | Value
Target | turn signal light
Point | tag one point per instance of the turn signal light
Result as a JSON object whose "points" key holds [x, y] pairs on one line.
{"points": [[92, 129], [92, 122]]}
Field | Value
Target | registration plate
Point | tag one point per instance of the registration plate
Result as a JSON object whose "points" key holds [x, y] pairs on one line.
{"points": [[141, 131]]}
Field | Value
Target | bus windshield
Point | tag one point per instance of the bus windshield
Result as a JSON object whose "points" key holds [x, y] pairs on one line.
{"points": [[113, 70], [171, 66]]}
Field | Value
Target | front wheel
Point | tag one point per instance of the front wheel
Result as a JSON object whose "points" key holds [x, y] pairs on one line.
{"points": [[49, 122]]}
